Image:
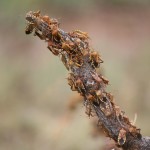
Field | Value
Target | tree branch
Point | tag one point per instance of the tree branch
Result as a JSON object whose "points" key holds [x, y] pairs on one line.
{"points": [[81, 60]]}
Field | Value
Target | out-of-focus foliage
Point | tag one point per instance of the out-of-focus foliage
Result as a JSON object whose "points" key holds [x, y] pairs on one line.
{"points": [[34, 94]]}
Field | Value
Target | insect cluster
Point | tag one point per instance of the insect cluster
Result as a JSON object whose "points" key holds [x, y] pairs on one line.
{"points": [[81, 60], [72, 48]]}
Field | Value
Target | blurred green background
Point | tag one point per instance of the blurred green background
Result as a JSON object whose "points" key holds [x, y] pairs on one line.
{"points": [[34, 94]]}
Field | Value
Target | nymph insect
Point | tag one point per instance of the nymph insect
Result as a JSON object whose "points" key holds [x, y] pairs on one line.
{"points": [[95, 59], [89, 111], [29, 29], [90, 97], [46, 19], [88, 104], [119, 114], [55, 51], [74, 63], [104, 106], [37, 13], [80, 34], [96, 77], [71, 82], [122, 136], [135, 132], [105, 80], [79, 85], [54, 29], [66, 47], [98, 93]]}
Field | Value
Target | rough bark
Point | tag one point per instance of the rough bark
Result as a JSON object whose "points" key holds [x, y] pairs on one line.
{"points": [[81, 60]]}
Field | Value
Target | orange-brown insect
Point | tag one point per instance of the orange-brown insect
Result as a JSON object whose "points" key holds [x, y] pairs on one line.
{"points": [[89, 111], [122, 136], [70, 63], [111, 97], [55, 51], [96, 77], [79, 85], [30, 17], [71, 44], [95, 59], [118, 111], [79, 64], [66, 47], [85, 53], [134, 131], [81, 46], [80, 34], [54, 21], [98, 93], [54, 30], [29, 28], [37, 13], [46, 19], [69, 47], [105, 80], [88, 104], [104, 106], [90, 97], [77, 40], [71, 82], [119, 114], [53, 48], [74, 63]]}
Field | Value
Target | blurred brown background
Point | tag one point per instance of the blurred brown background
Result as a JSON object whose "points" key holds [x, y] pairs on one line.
{"points": [[34, 94]]}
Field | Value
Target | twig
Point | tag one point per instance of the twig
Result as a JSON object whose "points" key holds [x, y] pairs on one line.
{"points": [[81, 60]]}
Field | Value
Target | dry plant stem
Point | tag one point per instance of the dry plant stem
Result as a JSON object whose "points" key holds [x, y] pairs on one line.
{"points": [[81, 60]]}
